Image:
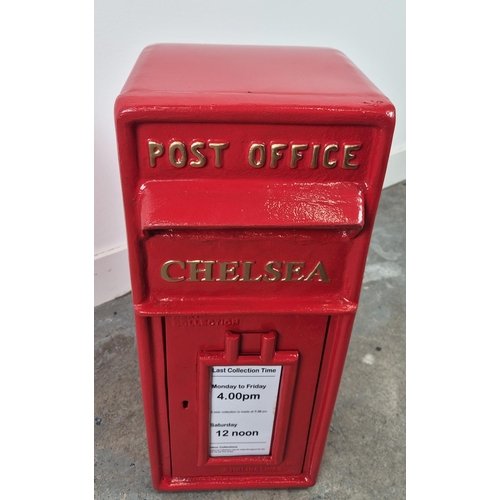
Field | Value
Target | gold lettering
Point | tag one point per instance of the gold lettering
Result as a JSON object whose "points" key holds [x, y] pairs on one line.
{"points": [[203, 270], [156, 149], [275, 272], [326, 162], [247, 267], [349, 156], [293, 268], [257, 154], [314, 160], [172, 154], [195, 149], [194, 271], [228, 268], [251, 155], [296, 153], [319, 271], [218, 147], [276, 154], [165, 270]]}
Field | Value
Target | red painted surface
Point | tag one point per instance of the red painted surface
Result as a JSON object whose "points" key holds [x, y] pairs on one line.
{"points": [[251, 178]]}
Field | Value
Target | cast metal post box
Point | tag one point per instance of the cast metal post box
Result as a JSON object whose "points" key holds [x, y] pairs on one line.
{"points": [[251, 178]]}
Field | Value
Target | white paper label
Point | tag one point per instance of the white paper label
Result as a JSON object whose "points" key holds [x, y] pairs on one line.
{"points": [[242, 408]]}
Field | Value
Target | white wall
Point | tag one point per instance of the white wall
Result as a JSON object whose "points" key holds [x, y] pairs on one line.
{"points": [[371, 33]]}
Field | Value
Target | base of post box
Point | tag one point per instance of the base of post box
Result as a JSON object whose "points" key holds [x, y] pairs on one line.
{"points": [[230, 482]]}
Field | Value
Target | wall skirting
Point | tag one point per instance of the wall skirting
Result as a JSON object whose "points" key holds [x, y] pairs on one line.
{"points": [[111, 275], [111, 270], [396, 169]]}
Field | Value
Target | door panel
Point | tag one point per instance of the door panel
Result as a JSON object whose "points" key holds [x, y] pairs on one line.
{"points": [[196, 344]]}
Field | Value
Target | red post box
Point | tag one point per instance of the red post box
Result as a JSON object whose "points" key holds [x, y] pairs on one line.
{"points": [[251, 178]]}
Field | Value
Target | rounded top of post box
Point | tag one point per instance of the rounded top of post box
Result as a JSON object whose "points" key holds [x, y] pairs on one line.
{"points": [[174, 75]]}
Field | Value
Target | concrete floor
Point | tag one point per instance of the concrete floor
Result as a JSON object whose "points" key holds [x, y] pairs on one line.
{"points": [[365, 455]]}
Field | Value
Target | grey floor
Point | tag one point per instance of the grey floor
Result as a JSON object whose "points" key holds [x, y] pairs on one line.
{"points": [[365, 455]]}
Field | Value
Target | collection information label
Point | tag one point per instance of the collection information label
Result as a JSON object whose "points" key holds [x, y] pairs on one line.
{"points": [[242, 408]]}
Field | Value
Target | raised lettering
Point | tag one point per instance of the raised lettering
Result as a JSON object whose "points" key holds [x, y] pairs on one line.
{"points": [[195, 149], [247, 268], [218, 147], [172, 154], [296, 153], [314, 160], [166, 267], [156, 150], [276, 154], [252, 155], [276, 274], [227, 268], [203, 270], [327, 163], [293, 268], [197, 155], [348, 156], [194, 271], [319, 271]]}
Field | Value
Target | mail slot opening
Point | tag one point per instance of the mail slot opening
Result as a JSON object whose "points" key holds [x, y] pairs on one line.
{"points": [[236, 203]]}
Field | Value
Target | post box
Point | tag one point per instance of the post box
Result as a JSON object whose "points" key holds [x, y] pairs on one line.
{"points": [[251, 177]]}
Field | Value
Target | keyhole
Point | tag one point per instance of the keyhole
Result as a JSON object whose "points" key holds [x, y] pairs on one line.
{"points": [[185, 404]]}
